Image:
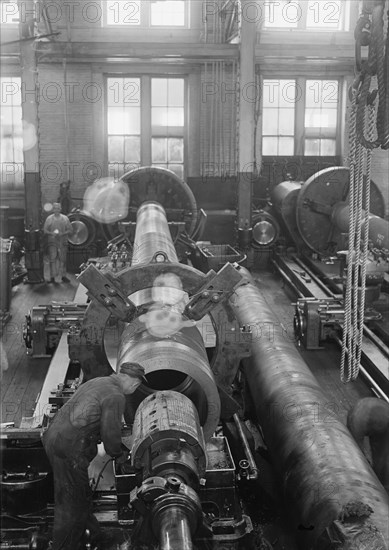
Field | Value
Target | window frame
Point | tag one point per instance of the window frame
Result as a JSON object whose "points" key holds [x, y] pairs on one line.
{"points": [[300, 110], [146, 127], [293, 135], [344, 25], [17, 182], [145, 17]]}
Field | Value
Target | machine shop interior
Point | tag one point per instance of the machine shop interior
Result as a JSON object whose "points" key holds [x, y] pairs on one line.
{"points": [[224, 168]]}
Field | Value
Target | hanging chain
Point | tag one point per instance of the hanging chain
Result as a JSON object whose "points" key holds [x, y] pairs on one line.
{"points": [[376, 64]]}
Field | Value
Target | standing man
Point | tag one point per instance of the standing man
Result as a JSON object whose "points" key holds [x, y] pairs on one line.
{"points": [[57, 227], [93, 414]]}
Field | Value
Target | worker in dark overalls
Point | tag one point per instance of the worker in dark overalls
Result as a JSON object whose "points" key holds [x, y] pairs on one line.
{"points": [[93, 414], [370, 418]]}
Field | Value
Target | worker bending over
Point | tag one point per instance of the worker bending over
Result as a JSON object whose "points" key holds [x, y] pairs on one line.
{"points": [[93, 414]]}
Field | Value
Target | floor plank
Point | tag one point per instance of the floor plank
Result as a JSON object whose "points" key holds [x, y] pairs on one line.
{"points": [[22, 376]]}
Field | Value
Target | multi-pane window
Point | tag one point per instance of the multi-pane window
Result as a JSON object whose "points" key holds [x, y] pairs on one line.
{"points": [[167, 121], [300, 117], [331, 15], [279, 97], [149, 13], [123, 124], [9, 12], [11, 132], [321, 113], [145, 123]]}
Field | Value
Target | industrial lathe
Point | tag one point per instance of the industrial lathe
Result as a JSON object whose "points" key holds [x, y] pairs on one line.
{"points": [[315, 218], [220, 377]]}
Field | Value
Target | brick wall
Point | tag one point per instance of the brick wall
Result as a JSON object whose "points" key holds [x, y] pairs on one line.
{"points": [[66, 128], [218, 133]]}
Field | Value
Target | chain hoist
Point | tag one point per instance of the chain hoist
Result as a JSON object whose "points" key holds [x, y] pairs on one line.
{"points": [[370, 32]]}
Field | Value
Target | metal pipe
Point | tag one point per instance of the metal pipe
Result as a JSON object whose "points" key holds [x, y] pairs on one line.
{"points": [[152, 235], [174, 532], [322, 470], [247, 451]]}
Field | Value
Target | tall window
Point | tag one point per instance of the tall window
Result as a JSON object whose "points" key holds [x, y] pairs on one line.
{"points": [[149, 13], [279, 98], [331, 15], [145, 123], [300, 117], [167, 120], [123, 124], [9, 12], [321, 113], [11, 132]]}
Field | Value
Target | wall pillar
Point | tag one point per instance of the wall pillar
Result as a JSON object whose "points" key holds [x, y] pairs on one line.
{"points": [[30, 98], [247, 101]]}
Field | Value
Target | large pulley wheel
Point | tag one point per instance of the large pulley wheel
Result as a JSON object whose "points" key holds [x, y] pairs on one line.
{"points": [[315, 203], [163, 186]]}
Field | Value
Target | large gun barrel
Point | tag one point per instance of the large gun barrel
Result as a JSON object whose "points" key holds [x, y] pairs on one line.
{"points": [[322, 470], [152, 235], [174, 413]]}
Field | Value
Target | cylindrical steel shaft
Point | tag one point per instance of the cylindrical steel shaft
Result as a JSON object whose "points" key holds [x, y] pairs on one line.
{"points": [[169, 347], [152, 235], [322, 470], [378, 227], [174, 530]]}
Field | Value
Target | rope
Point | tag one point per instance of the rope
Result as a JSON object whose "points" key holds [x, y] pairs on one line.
{"points": [[360, 177], [347, 327], [366, 234], [354, 366], [363, 112]]}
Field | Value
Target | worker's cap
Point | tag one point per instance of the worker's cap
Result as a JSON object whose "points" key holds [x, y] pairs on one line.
{"points": [[133, 369]]}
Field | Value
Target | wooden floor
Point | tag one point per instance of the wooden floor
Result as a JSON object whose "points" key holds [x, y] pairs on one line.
{"points": [[22, 376]]}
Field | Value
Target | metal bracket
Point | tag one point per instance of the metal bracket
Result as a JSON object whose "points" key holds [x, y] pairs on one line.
{"points": [[217, 288], [107, 293]]}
